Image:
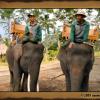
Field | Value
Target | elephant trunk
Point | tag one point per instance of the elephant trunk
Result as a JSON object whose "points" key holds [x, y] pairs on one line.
{"points": [[76, 79]]}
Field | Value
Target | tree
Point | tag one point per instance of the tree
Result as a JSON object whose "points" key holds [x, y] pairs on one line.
{"points": [[48, 19], [6, 13], [6, 41]]}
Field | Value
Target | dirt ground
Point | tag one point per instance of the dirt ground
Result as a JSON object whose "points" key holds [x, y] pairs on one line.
{"points": [[47, 80]]}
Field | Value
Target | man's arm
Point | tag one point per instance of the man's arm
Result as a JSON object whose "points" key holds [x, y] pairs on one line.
{"points": [[72, 33], [38, 36], [86, 32], [26, 30]]}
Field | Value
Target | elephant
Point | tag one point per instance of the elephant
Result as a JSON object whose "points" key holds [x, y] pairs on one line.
{"points": [[76, 64], [23, 60]]}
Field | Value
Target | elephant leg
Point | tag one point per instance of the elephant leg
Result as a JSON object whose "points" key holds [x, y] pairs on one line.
{"points": [[67, 76], [68, 82], [85, 83], [17, 77], [34, 73], [11, 81], [24, 82]]}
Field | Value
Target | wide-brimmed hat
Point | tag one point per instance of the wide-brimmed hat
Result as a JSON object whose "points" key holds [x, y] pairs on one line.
{"points": [[30, 15], [81, 12]]}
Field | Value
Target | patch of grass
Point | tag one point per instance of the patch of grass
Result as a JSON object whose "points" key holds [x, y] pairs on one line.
{"points": [[3, 64], [97, 53]]}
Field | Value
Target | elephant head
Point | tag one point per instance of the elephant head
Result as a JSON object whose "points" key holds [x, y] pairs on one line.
{"points": [[26, 61], [76, 64]]}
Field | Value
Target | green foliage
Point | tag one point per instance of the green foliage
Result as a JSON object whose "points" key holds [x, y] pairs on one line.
{"points": [[54, 46], [6, 41], [50, 43], [43, 15], [6, 13], [97, 46], [97, 53], [2, 58], [52, 54], [50, 40]]}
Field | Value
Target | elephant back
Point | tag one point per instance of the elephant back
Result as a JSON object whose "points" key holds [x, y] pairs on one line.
{"points": [[30, 48], [83, 50]]}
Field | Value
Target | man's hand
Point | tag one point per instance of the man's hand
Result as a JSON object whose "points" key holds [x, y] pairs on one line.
{"points": [[71, 45]]}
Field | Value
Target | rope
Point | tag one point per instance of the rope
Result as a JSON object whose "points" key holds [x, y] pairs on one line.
{"points": [[57, 76]]}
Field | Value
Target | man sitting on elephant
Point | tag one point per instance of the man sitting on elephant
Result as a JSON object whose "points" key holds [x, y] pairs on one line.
{"points": [[79, 29], [76, 57], [32, 31], [24, 58]]}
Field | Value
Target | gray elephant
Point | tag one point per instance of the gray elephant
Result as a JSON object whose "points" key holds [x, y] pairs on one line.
{"points": [[76, 64], [23, 60]]}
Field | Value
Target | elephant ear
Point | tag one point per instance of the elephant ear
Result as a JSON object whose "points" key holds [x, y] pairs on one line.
{"points": [[17, 51], [62, 53], [39, 47]]}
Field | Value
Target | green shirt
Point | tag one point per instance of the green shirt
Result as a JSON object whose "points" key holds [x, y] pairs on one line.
{"points": [[79, 32], [36, 31]]}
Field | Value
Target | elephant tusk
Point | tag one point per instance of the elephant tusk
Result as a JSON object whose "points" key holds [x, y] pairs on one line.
{"points": [[28, 82], [28, 85]]}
